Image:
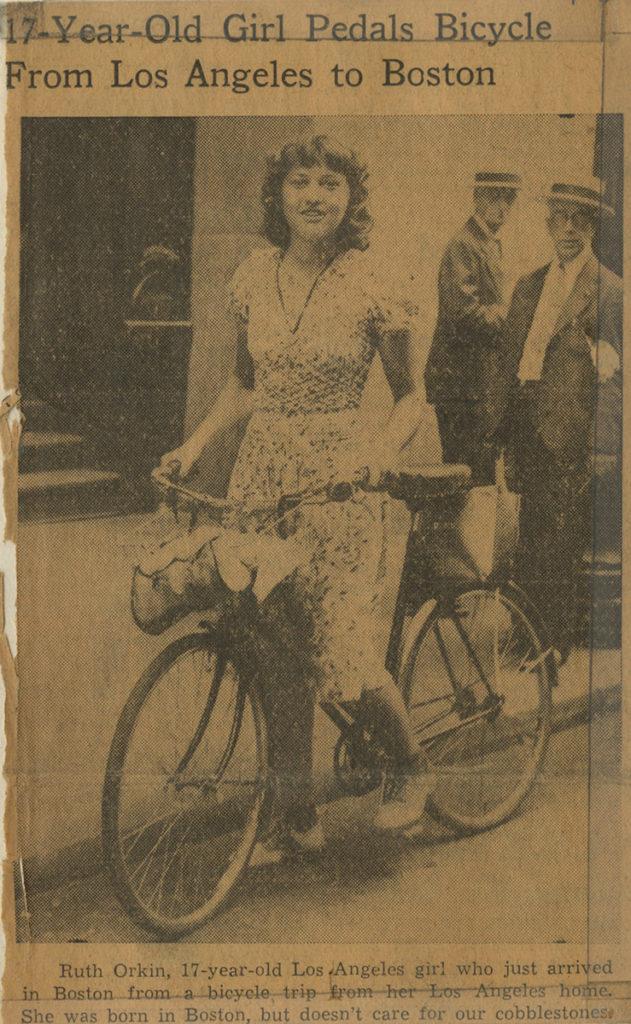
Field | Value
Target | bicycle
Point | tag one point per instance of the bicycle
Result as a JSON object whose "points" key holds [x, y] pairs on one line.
{"points": [[187, 785]]}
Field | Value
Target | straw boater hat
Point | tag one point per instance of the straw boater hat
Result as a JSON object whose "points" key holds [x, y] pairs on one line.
{"points": [[497, 179], [584, 193]]}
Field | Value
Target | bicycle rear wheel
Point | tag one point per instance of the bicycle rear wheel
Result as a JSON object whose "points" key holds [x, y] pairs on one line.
{"points": [[185, 788], [477, 683]]}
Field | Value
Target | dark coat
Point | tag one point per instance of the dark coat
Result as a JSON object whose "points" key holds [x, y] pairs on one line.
{"points": [[465, 358], [567, 391]]}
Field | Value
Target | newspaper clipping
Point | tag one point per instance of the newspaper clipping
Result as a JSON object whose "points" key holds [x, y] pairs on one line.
{"points": [[312, 570]]}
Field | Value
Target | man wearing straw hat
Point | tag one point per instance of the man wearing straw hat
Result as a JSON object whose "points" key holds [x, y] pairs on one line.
{"points": [[465, 363], [564, 334]]}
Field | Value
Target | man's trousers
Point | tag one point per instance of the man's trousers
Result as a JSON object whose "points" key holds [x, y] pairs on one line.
{"points": [[465, 439], [555, 518]]}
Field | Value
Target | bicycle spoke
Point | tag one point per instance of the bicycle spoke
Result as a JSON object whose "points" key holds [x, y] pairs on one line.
{"points": [[481, 762], [509, 640], [443, 653], [445, 750], [473, 658], [475, 632], [166, 867], [198, 878], [496, 640], [178, 885], [147, 859], [455, 735], [140, 831]]}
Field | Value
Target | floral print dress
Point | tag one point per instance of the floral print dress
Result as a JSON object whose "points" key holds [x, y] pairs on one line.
{"points": [[308, 380]]}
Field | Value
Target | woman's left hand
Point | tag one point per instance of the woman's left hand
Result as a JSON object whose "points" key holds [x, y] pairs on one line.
{"points": [[381, 459]]}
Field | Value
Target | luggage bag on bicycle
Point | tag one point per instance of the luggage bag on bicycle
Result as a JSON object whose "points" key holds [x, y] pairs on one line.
{"points": [[198, 571]]}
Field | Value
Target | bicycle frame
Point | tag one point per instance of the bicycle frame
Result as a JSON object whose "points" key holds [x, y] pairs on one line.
{"points": [[435, 563]]}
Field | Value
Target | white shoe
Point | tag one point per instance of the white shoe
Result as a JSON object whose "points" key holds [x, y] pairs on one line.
{"points": [[312, 840], [403, 800], [267, 852], [283, 842]]}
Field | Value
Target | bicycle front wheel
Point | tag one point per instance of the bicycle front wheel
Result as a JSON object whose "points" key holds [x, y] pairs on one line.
{"points": [[477, 683], [185, 789]]}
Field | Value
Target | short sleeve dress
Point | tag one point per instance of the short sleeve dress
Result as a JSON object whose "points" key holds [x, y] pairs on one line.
{"points": [[308, 380]]}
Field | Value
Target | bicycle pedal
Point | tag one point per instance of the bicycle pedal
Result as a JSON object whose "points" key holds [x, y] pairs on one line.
{"points": [[466, 704], [492, 705]]}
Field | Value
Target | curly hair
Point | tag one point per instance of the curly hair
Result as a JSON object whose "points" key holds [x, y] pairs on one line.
{"points": [[319, 150]]}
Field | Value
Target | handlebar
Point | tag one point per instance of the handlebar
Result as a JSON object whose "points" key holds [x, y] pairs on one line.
{"points": [[169, 484], [338, 491]]}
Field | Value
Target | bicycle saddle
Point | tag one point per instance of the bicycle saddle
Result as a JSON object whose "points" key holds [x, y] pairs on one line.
{"points": [[414, 484]]}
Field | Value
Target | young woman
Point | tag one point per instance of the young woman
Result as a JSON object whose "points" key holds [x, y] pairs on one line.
{"points": [[310, 315]]}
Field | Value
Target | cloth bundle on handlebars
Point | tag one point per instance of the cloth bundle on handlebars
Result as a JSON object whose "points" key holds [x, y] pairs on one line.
{"points": [[198, 571]]}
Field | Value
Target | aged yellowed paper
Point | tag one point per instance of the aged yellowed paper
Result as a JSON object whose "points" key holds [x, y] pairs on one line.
{"points": [[312, 430]]}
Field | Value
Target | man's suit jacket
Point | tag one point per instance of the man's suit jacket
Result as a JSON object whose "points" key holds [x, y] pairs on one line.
{"points": [[567, 390], [465, 358]]}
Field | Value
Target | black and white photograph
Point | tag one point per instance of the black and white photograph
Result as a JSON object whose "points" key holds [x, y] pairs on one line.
{"points": [[319, 561]]}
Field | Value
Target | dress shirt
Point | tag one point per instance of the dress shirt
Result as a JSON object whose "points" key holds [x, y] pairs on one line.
{"points": [[558, 285]]}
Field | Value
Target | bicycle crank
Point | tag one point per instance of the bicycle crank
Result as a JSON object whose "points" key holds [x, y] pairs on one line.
{"points": [[358, 762]]}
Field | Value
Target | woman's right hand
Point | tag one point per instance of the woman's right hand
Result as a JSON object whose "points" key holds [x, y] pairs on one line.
{"points": [[180, 462]]}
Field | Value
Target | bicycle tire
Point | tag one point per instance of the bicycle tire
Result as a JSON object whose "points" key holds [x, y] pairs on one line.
{"points": [[465, 725], [193, 829]]}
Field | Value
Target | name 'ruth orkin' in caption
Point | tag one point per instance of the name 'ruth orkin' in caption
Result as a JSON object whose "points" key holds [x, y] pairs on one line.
{"points": [[303, 981]]}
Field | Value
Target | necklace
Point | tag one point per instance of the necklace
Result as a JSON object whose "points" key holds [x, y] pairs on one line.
{"points": [[294, 329]]}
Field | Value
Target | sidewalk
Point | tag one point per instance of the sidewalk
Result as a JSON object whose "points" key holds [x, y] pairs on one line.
{"points": [[550, 875], [74, 681]]}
